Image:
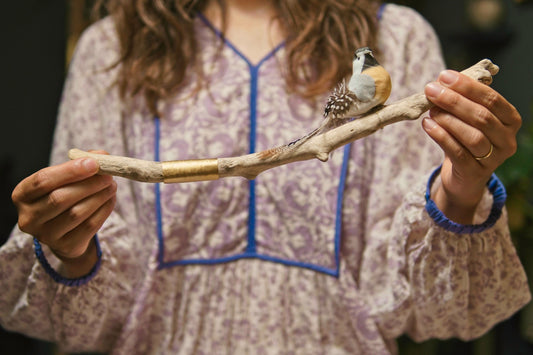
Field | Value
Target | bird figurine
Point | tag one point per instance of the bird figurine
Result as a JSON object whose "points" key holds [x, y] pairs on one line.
{"points": [[368, 87]]}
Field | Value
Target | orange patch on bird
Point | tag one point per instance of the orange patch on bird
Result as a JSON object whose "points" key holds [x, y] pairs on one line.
{"points": [[382, 80]]}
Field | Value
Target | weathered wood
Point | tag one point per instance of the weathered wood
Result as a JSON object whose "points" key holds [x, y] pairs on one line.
{"points": [[251, 165], [130, 168]]}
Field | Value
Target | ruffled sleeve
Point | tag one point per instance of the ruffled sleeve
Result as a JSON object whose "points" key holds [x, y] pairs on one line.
{"points": [[463, 281], [444, 282], [423, 274], [84, 314]]}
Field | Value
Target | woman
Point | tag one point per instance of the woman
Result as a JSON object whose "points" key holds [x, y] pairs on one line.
{"points": [[337, 257]]}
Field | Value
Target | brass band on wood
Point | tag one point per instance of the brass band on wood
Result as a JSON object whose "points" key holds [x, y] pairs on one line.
{"points": [[190, 170]]}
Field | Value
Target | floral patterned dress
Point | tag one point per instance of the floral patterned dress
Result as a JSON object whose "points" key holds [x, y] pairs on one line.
{"points": [[340, 257]]}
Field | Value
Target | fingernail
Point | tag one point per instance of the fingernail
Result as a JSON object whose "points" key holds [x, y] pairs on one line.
{"points": [[89, 165], [434, 90], [448, 77], [428, 124]]}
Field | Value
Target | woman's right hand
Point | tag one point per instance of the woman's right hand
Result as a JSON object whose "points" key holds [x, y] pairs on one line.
{"points": [[63, 206]]}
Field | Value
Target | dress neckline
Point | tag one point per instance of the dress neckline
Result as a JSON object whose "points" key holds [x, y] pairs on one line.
{"points": [[234, 48]]}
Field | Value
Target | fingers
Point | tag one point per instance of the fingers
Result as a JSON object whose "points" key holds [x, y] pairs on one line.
{"points": [[477, 117], [451, 146], [63, 206], [470, 138], [75, 242], [476, 128], [74, 216], [48, 179], [490, 104], [62, 199], [476, 121]]}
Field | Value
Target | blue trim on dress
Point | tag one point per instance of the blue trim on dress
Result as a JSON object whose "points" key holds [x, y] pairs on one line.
{"points": [[157, 190], [249, 255], [251, 245], [499, 196], [251, 250], [381, 10], [234, 48], [39, 253], [340, 199], [245, 255], [254, 78]]}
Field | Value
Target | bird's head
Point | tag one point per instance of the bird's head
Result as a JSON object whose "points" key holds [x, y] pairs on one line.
{"points": [[363, 59]]}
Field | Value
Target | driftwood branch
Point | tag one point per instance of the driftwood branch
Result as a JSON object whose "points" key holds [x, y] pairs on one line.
{"points": [[251, 165]]}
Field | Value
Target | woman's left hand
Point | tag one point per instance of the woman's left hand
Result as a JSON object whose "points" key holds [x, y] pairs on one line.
{"points": [[476, 128]]}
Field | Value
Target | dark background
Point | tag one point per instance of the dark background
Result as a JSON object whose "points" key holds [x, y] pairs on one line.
{"points": [[36, 35]]}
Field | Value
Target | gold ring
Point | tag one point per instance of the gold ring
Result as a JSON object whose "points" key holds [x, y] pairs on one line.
{"points": [[486, 155]]}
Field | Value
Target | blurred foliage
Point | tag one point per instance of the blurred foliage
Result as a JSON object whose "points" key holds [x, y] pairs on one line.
{"points": [[516, 174]]}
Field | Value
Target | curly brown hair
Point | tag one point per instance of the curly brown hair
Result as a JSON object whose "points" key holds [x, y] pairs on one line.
{"points": [[158, 44]]}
